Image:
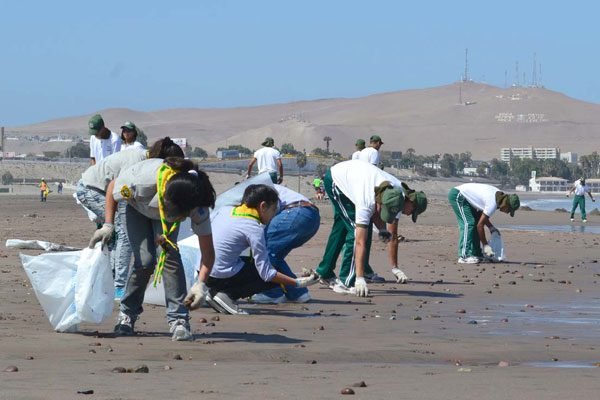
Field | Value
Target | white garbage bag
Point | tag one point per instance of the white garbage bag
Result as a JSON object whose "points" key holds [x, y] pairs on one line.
{"points": [[72, 287], [497, 245], [37, 245]]}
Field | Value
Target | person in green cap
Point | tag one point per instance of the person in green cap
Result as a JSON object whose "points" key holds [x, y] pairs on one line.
{"points": [[269, 160], [474, 204], [318, 186], [103, 142], [371, 153], [362, 195], [360, 145], [129, 134], [580, 189]]}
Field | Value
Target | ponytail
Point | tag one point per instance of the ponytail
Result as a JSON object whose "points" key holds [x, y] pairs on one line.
{"points": [[189, 188], [164, 148]]}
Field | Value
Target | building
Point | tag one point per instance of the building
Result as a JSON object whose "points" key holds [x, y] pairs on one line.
{"points": [[228, 154], [539, 153], [569, 157], [549, 184]]}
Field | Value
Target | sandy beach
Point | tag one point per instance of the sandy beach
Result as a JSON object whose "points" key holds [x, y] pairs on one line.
{"points": [[526, 328]]}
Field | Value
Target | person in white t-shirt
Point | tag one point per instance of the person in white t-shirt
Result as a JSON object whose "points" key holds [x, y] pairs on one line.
{"points": [[474, 204], [103, 141], [361, 195], [360, 145], [268, 160], [129, 134], [371, 153], [580, 189]]}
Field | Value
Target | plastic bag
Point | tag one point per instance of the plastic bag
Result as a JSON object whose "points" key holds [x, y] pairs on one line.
{"points": [[37, 245], [497, 245], [72, 287]]}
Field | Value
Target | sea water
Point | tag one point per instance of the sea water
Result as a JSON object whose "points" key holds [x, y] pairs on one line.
{"points": [[551, 204]]}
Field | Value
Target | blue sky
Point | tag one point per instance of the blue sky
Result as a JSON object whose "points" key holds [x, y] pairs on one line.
{"points": [[67, 58]]}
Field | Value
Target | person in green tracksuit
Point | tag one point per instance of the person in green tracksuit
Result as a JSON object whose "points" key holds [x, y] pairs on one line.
{"points": [[580, 189], [473, 205]]}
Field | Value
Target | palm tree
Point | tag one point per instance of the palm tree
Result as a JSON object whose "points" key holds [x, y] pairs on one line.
{"points": [[327, 139]]}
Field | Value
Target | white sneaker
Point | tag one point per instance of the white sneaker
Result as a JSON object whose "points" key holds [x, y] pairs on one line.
{"points": [[584, 220], [329, 282], [226, 304], [469, 260], [261, 298], [181, 330], [305, 298], [572, 219], [400, 276], [374, 278], [339, 287]]}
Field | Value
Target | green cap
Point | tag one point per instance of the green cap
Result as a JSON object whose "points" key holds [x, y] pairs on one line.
{"points": [[419, 199], [129, 125], [269, 142], [360, 143], [95, 124], [392, 202], [375, 138], [514, 203]]}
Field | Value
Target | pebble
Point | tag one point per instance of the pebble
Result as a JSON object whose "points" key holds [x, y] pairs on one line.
{"points": [[210, 324], [88, 391], [168, 368], [119, 370], [11, 368], [503, 364], [177, 357], [461, 311], [359, 384], [347, 391], [92, 351], [473, 322], [215, 318], [29, 358], [203, 320], [321, 328], [282, 329], [417, 318], [141, 369]]}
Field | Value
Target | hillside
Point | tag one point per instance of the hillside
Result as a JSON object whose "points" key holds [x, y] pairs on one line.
{"points": [[428, 120]]}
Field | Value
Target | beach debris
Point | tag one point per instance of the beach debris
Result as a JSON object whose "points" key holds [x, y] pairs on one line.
{"points": [[141, 369], [461, 311], [464, 370], [168, 367], [29, 358], [216, 318], [177, 357], [416, 318], [347, 391], [87, 391], [119, 370], [203, 320], [359, 384], [11, 368], [472, 322], [503, 364]]}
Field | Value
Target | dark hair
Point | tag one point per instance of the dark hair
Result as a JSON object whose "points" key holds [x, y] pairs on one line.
{"points": [[164, 148], [256, 194], [189, 188], [135, 132]]}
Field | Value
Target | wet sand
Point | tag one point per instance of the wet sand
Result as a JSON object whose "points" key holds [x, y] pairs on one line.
{"points": [[442, 335]]}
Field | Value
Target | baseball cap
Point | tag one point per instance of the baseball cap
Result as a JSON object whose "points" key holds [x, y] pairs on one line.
{"points": [[419, 199], [129, 125], [514, 203], [376, 138], [392, 202], [360, 143], [96, 123], [269, 142]]}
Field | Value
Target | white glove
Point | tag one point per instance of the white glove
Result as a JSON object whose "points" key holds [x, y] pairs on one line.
{"points": [[307, 280], [400, 276], [195, 296], [361, 287], [385, 236], [487, 250], [103, 235]]}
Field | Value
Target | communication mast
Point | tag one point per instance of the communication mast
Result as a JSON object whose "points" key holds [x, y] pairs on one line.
{"points": [[466, 76]]}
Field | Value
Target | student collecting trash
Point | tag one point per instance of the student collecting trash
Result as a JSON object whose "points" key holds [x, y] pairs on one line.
{"points": [[159, 196]]}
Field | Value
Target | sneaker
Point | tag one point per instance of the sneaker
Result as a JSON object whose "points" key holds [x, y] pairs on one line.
{"points": [[584, 220], [261, 298], [329, 282], [339, 287], [305, 298], [124, 325], [119, 292], [572, 219], [374, 278], [469, 260], [226, 304], [181, 330], [209, 300]]}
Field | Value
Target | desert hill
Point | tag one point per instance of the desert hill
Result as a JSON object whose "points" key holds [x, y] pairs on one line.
{"points": [[452, 118]]}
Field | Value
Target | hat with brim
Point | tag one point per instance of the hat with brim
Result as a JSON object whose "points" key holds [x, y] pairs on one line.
{"points": [[129, 126], [419, 199], [392, 203], [95, 124], [376, 138], [360, 143], [514, 203], [269, 142]]}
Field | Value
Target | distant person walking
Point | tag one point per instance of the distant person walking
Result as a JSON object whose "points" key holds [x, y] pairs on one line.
{"points": [[318, 186], [268, 160], [60, 187], [129, 134], [360, 145], [371, 153], [580, 189], [43, 190], [474, 204], [103, 141]]}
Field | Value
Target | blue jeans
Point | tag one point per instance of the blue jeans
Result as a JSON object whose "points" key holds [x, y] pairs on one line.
{"points": [[142, 232], [120, 257], [289, 229]]}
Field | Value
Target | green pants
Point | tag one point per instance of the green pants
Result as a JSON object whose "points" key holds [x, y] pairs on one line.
{"points": [[342, 237], [467, 217], [578, 201]]}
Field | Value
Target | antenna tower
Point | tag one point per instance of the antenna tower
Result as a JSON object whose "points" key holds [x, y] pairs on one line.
{"points": [[466, 76], [534, 74]]}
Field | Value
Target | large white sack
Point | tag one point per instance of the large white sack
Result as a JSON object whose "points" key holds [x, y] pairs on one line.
{"points": [[37, 245], [497, 245], [58, 278]]}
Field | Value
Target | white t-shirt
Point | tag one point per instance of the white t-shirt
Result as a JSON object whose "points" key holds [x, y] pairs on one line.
{"points": [[580, 189], [288, 196], [102, 148], [355, 155], [370, 155], [100, 174], [357, 181], [266, 159], [480, 196], [132, 146]]}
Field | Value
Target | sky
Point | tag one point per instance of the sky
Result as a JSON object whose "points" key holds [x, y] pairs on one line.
{"points": [[67, 58]]}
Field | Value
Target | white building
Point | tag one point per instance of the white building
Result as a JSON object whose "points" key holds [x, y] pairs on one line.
{"points": [[540, 153], [569, 157]]}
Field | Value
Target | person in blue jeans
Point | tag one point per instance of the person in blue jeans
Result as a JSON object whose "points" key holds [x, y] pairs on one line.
{"points": [[296, 223]]}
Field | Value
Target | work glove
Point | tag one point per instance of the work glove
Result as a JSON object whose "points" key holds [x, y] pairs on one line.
{"points": [[307, 280], [487, 250], [195, 296], [103, 235], [385, 236], [361, 287], [400, 276]]}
